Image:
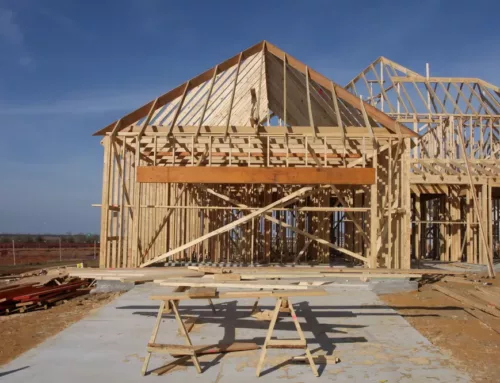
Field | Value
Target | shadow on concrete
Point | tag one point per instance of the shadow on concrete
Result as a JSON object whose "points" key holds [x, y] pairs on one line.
{"points": [[328, 311], [231, 316], [13, 371]]}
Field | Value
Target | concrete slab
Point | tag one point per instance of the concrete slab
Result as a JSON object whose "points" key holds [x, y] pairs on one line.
{"points": [[374, 343]]}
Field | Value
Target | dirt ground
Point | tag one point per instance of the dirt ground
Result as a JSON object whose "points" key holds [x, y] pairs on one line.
{"points": [[471, 336], [42, 256], [21, 332], [38, 265]]}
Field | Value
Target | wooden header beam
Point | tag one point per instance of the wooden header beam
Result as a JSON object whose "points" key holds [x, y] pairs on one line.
{"points": [[245, 175]]}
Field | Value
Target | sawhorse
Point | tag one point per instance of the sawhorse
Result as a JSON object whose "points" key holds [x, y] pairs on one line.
{"points": [[190, 351]]}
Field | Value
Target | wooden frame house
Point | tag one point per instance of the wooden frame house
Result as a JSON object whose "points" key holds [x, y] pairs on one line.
{"points": [[455, 167], [261, 159]]}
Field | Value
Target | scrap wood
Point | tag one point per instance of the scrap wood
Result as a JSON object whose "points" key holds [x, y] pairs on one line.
{"points": [[318, 359], [467, 300], [265, 315], [37, 292], [31, 297], [462, 281]]}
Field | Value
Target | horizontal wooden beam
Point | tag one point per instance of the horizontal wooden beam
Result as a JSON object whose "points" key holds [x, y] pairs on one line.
{"points": [[273, 131], [246, 175], [253, 154]]}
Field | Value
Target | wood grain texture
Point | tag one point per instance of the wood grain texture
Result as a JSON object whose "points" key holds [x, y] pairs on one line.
{"points": [[238, 175]]}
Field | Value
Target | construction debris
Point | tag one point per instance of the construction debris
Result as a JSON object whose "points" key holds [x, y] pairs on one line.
{"points": [[29, 296]]}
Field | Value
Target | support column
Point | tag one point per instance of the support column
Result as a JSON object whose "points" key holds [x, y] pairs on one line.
{"points": [[103, 250]]}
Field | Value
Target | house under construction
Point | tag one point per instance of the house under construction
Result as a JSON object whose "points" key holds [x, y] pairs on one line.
{"points": [[261, 159]]}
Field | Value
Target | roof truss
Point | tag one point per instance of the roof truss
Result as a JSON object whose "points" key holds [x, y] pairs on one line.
{"points": [[256, 85]]}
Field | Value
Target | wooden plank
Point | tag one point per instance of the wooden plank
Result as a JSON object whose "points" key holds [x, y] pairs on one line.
{"points": [[286, 343], [221, 348], [202, 292], [459, 280], [318, 359], [171, 349], [237, 175], [324, 270], [325, 275], [491, 300], [245, 294], [227, 277], [237, 285], [492, 295], [467, 301]]}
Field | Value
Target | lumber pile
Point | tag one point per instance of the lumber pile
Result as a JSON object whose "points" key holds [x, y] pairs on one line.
{"points": [[29, 296], [284, 272], [135, 275], [245, 277]]}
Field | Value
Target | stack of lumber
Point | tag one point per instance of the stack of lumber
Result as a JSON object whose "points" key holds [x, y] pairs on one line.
{"points": [[236, 275], [40, 276], [28, 296], [253, 273], [133, 275]]}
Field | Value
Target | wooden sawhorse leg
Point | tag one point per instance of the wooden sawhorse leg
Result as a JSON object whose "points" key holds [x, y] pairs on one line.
{"points": [[182, 328], [276, 343], [152, 339], [186, 335]]}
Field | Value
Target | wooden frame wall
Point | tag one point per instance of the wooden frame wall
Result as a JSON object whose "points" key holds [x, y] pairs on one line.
{"points": [[141, 221], [455, 161]]}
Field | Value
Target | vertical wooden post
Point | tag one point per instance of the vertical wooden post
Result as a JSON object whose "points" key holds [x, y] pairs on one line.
{"points": [[103, 250], [406, 202], [418, 226], [137, 207], [372, 260]]}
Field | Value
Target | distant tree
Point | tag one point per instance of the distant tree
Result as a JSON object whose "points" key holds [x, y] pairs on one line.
{"points": [[39, 238]]}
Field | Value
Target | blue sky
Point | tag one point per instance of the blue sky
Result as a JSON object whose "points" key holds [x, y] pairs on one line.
{"points": [[69, 68]]}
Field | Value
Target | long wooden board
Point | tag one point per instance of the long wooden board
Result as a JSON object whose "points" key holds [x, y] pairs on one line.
{"points": [[319, 269], [468, 301], [244, 294], [239, 175], [235, 285]]}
